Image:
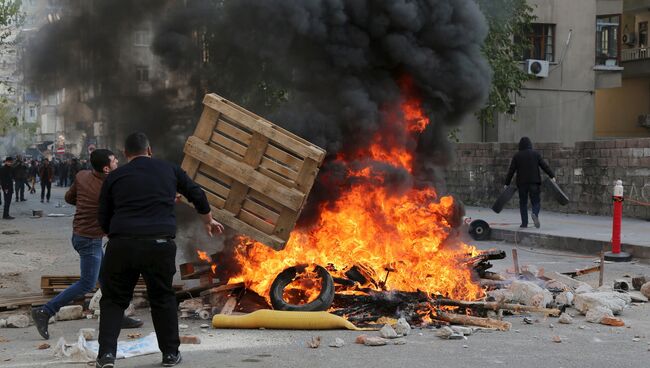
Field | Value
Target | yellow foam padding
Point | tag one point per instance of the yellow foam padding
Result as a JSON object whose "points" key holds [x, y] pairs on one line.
{"points": [[283, 320]]}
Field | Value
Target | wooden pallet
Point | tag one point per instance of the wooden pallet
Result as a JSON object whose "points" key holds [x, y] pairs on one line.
{"points": [[9, 303], [256, 175], [53, 285]]}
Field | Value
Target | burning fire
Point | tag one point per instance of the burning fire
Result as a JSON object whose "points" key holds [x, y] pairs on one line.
{"points": [[401, 239], [204, 256]]}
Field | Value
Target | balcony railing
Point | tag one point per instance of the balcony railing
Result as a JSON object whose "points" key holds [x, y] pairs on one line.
{"points": [[635, 54]]}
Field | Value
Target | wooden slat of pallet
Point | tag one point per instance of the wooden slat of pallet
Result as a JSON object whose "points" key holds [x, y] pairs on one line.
{"points": [[279, 169], [260, 211], [20, 301], [256, 222], [231, 221], [233, 130], [264, 127], [211, 185], [278, 155], [229, 144], [203, 130], [289, 197]]}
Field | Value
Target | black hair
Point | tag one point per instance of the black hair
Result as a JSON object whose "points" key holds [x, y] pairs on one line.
{"points": [[136, 144], [9, 158], [100, 158]]}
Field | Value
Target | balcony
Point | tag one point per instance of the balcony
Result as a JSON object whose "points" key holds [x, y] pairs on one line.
{"points": [[636, 62]]}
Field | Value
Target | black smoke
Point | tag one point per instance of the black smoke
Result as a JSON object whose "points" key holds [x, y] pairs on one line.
{"points": [[327, 70]]}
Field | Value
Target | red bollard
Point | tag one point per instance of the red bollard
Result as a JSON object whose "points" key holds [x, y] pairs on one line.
{"points": [[616, 255]]}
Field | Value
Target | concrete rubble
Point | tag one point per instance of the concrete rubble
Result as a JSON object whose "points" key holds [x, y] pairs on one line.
{"points": [[17, 321], [402, 327], [529, 293], [387, 332], [645, 289], [337, 343], [70, 313], [613, 301]]}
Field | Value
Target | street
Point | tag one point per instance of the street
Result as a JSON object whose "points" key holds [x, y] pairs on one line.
{"points": [[42, 247]]}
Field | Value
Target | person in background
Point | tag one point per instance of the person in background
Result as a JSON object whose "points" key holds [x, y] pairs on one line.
{"points": [[526, 163], [46, 174], [137, 212], [7, 185], [32, 174], [20, 178]]}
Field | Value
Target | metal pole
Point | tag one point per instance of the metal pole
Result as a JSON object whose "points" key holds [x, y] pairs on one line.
{"points": [[616, 254], [515, 259], [601, 276]]}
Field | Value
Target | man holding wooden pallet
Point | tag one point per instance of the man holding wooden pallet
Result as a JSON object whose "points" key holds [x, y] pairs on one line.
{"points": [[86, 239], [137, 212]]}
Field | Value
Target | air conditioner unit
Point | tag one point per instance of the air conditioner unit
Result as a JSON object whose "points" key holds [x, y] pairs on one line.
{"points": [[538, 68], [629, 39]]}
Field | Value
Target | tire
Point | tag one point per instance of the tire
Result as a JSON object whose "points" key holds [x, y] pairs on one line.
{"points": [[480, 230], [503, 198], [322, 303]]}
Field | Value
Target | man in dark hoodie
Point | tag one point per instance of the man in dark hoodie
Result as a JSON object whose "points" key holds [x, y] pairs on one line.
{"points": [[526, 164]]}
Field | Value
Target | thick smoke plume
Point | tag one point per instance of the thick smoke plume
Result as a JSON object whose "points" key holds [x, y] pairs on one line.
{"points": [[328, 70]]}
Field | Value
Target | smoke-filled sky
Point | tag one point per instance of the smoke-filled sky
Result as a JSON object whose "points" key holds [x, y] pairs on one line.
{"points": [[324, 69]]}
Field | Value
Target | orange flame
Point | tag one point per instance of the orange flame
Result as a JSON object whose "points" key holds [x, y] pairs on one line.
{"points": [[403, 238]]}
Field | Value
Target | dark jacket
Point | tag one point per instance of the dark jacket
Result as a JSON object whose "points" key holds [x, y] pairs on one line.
{"points": [[20, 171], [526, 164], [138, 199], [7, 178], [46, 173], [84, 194]]}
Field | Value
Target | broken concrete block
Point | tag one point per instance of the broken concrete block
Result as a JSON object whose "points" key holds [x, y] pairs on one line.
{"points": [[18, 321], [638, 281], [3, 323], [596, 314], [584, 288], [529, 293], [88, 333], [613, 301], [612, 321], [375, 341], [637, 297], [189, 339], [69, 313], [564, 298], [565, 319], [402, 327], [465, 331], [337, 343], [501, 295], [387, 332], [94, 301], [645, 289], [140, 302], [361, 339], [447, 333]]}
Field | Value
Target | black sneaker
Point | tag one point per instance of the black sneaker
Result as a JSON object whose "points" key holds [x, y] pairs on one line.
{"points": [[8, 218], [41, 319], [170, 360], [523, 226], [535, 220], [106, 361], [128, 322]]}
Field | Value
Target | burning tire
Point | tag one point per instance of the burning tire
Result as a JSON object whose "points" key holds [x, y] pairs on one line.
{"points": [[480, 230], [322, 303]]}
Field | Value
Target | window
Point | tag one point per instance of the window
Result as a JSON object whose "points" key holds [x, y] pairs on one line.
{"points": [[142, 74], [32, 112], [643, 34], [141, 38], [608, 43], [542, 40]]}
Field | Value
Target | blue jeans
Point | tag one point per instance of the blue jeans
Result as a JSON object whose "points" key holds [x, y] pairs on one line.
{"points": [[90, 254]]}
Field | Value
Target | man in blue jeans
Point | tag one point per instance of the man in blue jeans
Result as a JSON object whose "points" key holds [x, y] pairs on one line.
{"points": [[86, 238]]}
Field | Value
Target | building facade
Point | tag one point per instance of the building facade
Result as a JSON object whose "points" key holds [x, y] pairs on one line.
{"points": [[578, 67]]}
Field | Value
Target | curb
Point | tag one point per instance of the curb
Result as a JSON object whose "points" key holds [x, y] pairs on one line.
{"points": [[568, 244]]}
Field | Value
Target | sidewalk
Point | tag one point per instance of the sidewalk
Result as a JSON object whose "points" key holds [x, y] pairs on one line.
{"points": [[576, 233]]}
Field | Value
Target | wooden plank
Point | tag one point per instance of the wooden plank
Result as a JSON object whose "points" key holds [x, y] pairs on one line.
{"points": [[264, 127], [215, 200], [277, 168], [285, 223], [288, 197], [252, 158], [298, 138], [260, 211], [256, 222], [232, 130], [212, 173], [307, 175], [285, 158], [279, 178], [211, 185], [266, 201], [229, 144], [203, 130], [229, 220]]}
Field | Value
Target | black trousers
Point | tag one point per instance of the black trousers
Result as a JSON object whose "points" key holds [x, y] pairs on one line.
{"points": [[7, 197], [123, 263], [46, 186], [525, 191], [20, 189]]}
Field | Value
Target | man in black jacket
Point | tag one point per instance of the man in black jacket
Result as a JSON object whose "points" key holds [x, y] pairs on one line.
{"points": [[20, 178], [526, 164], [137, 212], [7, 185]]}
